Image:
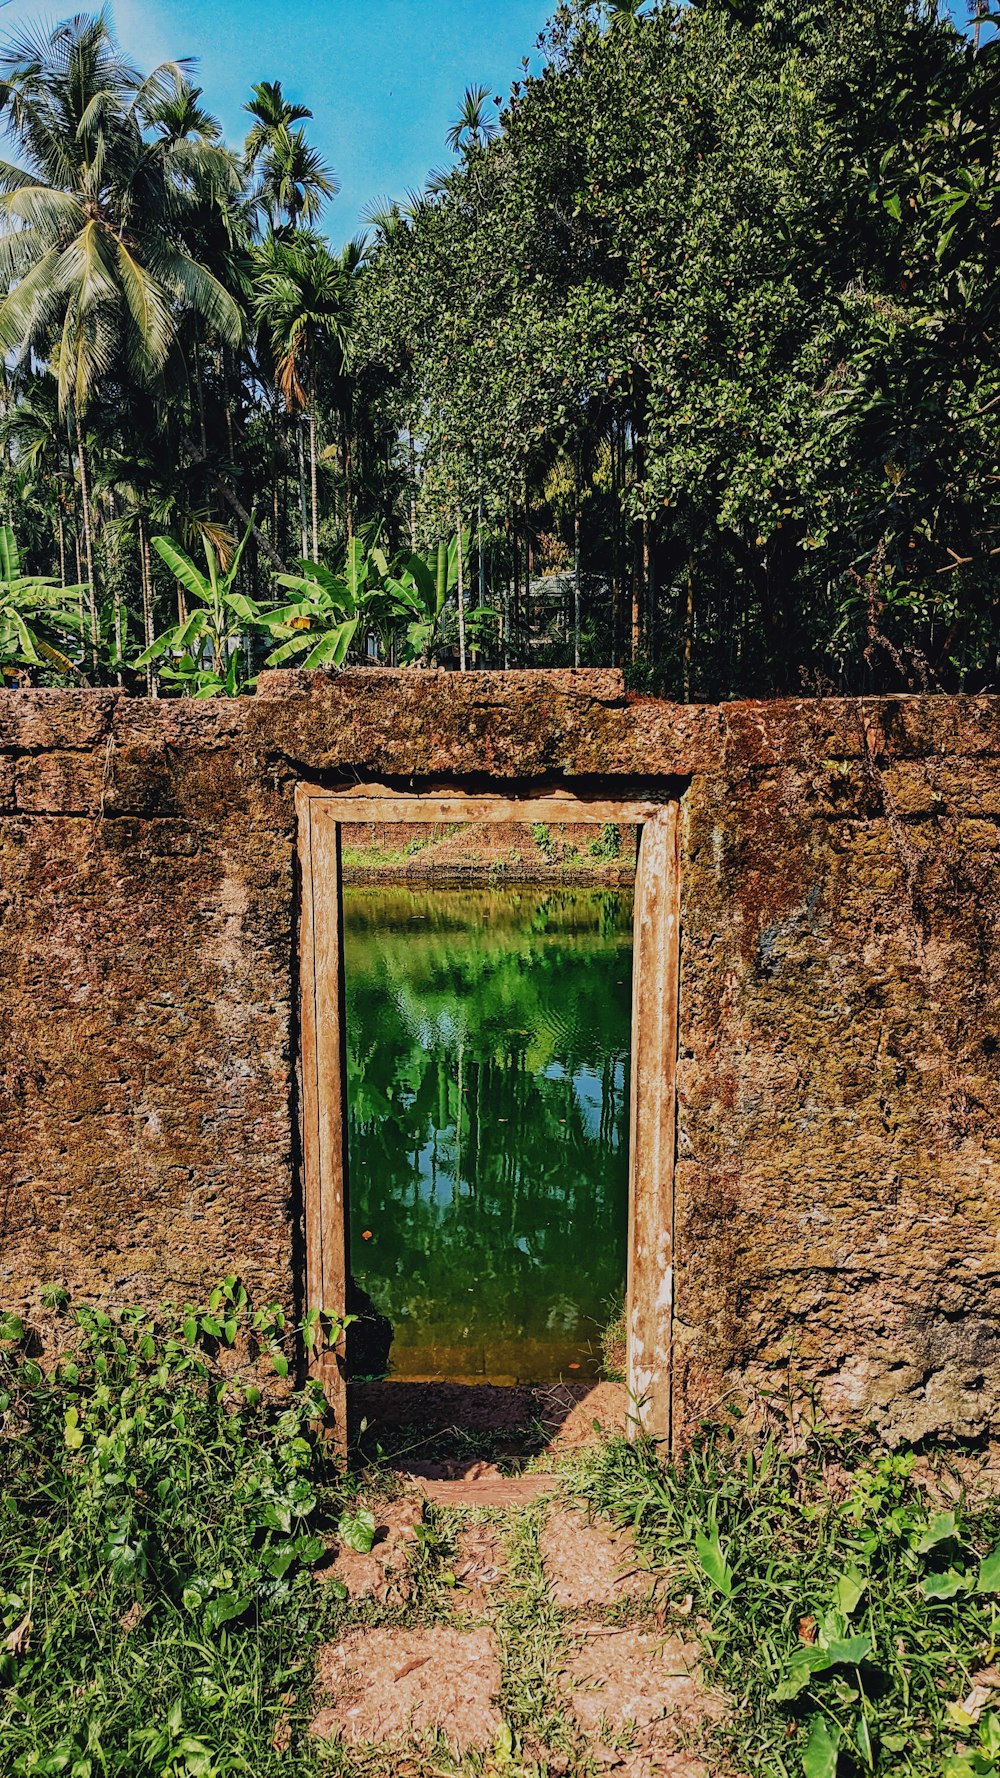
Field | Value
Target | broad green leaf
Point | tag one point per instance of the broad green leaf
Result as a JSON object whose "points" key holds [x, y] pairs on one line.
{"points": [[804, 1662], [943, 1528], [849, 1591], [182, 568], [988, 1578], [848, 1653], [298, 644], [357, 1530], [821, 1753], [945, 1586], [713, 1560]]}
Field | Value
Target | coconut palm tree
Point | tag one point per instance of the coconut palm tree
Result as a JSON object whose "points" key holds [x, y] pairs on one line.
{"points": [[94, 260]]}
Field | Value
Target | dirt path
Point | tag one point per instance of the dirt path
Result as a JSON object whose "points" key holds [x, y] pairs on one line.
{"points": [[494, 1629]]}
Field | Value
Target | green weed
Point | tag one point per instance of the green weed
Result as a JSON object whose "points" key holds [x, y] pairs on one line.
{"points": [[160, 1513], [852, 1619]]}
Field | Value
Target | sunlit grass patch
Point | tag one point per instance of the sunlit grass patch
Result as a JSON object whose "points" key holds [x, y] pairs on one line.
{"points": [[847, 1603]]}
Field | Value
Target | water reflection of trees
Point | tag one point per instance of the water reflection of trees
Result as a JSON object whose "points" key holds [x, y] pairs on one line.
{"points": [[488, 1084]]}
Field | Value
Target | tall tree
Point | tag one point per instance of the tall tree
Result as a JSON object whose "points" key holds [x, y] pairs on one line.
{"points": [[93, 252], [301, 302], [294, 180]]}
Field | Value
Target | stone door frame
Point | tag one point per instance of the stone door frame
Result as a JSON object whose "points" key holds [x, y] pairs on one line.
{"points": [[653, 1102]]}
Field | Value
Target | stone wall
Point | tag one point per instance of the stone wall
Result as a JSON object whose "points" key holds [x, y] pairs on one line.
{"points": [[838, 1201]]}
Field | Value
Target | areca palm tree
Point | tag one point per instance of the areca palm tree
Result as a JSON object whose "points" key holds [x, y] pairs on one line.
{"points": [[301, 304], [294, 179], [473, 126], [93, 255]]}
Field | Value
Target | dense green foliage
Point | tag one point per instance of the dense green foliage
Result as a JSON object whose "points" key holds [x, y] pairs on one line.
{"points": [[158, 1524], [696, 339], [847, 1606]]}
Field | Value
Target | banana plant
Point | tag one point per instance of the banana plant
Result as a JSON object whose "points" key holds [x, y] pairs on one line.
{"points": [[32, 609], [204, 649], [420, 589], [319, 623]]}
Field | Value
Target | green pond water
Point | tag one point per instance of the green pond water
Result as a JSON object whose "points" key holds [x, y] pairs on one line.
{"points": [[488, 1060]]}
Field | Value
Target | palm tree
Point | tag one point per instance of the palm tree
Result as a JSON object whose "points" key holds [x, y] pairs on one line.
{"points": [[474, 126], [301, 305], [294, 179], [271, 113], [93, 254]]}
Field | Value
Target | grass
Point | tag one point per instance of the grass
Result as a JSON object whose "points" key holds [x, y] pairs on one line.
{"points": [[530, 1638], [847, 1603], [165, 1494]]}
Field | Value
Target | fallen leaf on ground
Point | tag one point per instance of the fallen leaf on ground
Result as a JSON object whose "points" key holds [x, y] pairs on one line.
{"points": [[411, 1667], [18, 1640]]}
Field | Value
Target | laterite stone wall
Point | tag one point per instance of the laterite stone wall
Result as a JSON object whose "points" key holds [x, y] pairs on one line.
{"points": [[838, 1175]]}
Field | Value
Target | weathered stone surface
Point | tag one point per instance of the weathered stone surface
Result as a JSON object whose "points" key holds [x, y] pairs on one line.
{"points": [[838, 1186], [838, 1204]]}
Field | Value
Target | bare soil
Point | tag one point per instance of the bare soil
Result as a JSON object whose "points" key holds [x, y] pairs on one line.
{"points": [[388, 1685], [456, 1425], [636, 1695], [383, 1574], [576, 1623], [590, 1564], [480, 1567]]}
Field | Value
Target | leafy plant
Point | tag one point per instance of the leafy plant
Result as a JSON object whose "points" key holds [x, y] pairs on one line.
{"points": [[356, 1529], [421, 587], [853, 1627], [207, 641], [161, 1509], [541, 833], [607, 844], [33, 609], [321, 620]]}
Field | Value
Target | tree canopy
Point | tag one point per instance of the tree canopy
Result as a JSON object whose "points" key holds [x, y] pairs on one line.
{"points": [[695, 338]]}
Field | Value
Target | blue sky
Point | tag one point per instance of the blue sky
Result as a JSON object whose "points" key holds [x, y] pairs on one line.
{"points": [[384, 78]]}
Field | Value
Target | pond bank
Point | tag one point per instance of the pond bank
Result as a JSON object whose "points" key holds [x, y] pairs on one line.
{"points": [[482, 852]]}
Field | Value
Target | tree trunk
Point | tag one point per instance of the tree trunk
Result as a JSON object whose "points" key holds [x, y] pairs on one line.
{"points": [[228, 404], [62, 549], [313, 485], [88, 546], [576, 558], [345, 437], [514, 628], [636, 629], [199, 389], [688, 631], [147, 602], [275, 502], [232, 499], [413, 489], [303, 517], [461, 592]]}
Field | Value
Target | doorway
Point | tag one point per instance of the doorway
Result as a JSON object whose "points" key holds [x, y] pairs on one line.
{"points": [[652, 1114]]}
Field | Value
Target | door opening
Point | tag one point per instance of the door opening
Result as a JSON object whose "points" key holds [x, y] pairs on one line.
{"points": [[451, 1174]]}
